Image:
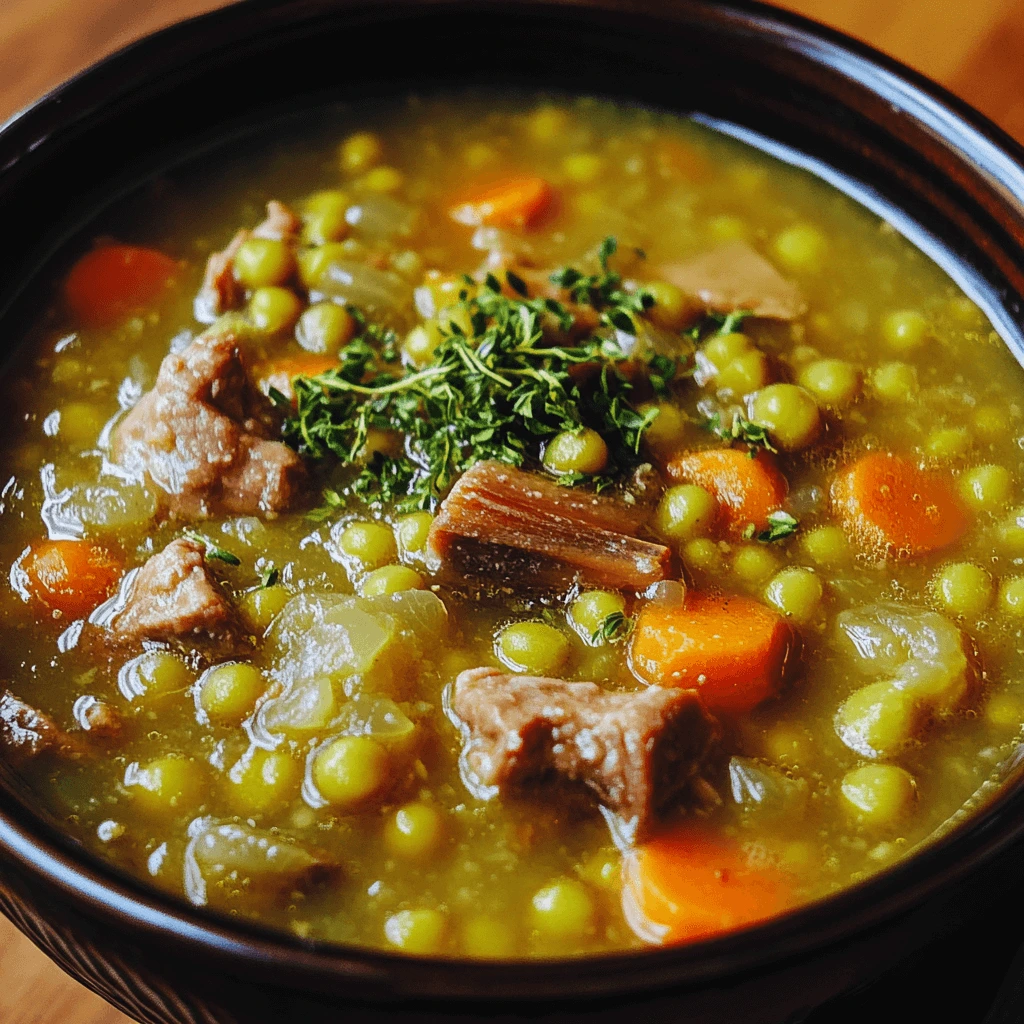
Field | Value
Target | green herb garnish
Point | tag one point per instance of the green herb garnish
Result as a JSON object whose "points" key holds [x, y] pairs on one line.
{"points": [[780, 525], [713, 325], [741, 429], [213, 550], [615, 627], [497, 392], [269, 575]]}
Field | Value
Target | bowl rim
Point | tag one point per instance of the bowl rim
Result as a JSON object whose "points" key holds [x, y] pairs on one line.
{"points": [[41, 850]]}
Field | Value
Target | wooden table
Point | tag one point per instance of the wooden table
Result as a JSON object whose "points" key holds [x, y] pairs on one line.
{"points": [[976, 49]]}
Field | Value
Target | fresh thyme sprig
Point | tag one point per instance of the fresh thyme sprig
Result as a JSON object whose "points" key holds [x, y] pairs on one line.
{"points": [[780, 525], [498, 391], [213, 550]]}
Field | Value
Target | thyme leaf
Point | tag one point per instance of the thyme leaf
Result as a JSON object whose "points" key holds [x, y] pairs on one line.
{"points": [[213, 550], [616, 626]]}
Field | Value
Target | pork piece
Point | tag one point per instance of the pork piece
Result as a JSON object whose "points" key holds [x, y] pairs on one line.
{"points": [[220, 291], [502, 523], [637, 752], [204, 435], [26, 733], [734, 276], [174, 597]]}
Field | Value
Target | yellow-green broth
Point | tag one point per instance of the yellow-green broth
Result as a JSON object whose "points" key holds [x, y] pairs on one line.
{"points": [[667, 189]]}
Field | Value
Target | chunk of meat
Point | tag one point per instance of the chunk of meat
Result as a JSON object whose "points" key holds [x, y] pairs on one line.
{"points": [[99, 718], [734, 276], [637, 752], [503, 523], [220, 291], [203, 435], [174, 597], [26, 732]]}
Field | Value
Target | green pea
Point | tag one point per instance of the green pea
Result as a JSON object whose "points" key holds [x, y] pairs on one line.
{"points": [[754, 563], [745, 373], [591, 609], [563, 910], [264, 780], [261, 262], [833, 382], [325, 327], [877, 719], [1010, 532], [372, 544], [416, 931], [273, 310], [261, 606], [790, 415], [963, 588], [161, 672], [987, 488], [228, 693], [421, 342], [324, 219], [685, 511], [414, 831], [391, 579], [359, 152], [722, 349], [1011, 596], [905, 330], [991, 422], [880, 794], [165, 786], [533, 647], [351, 770], [413, 530], [702, 554], [576, 451], [948, 443], [667, 428], [583, 168], [802, 247], [382, 179], [673, 309], [827, 546], [895, 382], [795, 592]]}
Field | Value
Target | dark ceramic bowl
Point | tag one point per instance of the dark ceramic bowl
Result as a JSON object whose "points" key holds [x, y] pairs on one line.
{"points": [[936, 168]]}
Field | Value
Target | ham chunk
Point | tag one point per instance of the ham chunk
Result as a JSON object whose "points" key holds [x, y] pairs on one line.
{"points": [[506, 525], [733, 277], [174, 597], [220, 291], [636, 752], [26, 732], [204, 435]]}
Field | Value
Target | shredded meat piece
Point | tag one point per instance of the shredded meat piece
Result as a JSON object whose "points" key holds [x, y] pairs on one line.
{"points": [[734, 276], [220, 291], [26, 732], [637, 752], [99, 718], [499, 521], [174, 597], [203, 435]]}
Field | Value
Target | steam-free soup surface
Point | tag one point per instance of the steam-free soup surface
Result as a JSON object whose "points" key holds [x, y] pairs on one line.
{"points": [[428, 448]]}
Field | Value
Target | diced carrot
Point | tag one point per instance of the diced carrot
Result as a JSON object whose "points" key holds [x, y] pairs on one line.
{"points": [[732, 650], [279, 373], [747, 489], [689, 163], [70, 576], [113, 281], [892, 508], [514, 203], [689, 885]]}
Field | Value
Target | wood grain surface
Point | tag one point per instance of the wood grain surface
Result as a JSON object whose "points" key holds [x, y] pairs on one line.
{"points": [[976, 49]]}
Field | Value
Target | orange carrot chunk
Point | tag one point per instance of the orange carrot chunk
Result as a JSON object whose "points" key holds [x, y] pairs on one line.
{"points": [[70, 576], [732, 650], [891, 508], [688, 885], [747, 489], [279, 373], [514, 203], [113, 281]]}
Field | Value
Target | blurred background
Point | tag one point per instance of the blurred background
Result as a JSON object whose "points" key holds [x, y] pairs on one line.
{"points": [[975, 49]]}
